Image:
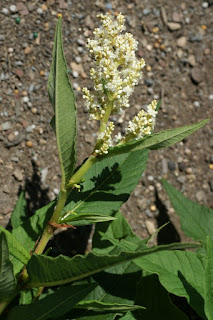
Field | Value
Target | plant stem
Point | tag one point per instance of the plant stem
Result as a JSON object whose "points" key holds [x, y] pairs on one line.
{"points": [[105, 119], [48, 231], [76, 178]]}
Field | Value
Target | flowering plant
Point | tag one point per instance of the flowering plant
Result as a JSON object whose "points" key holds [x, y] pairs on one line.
{"points": [[112, 281]]}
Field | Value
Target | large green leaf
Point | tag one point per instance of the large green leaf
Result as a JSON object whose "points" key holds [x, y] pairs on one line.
{"points": [[43, 270], [63, 100], [31, 229], [196, 220], [108, 184], [19, 213], [155, 298], [158, 140], [112, 289], [53, 306], [180, 272], [16, 249], [209, 280], [7, 279]]}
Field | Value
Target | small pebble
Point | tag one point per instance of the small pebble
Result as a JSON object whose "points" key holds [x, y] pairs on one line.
{"points": [[25, 99], [205, 5], [5, 126], [181, 42], [150, 226], [5, 11], [171, 165], [153, 208], [196, 104], [75, 74], [18, 20], [211, 97], [10, 50], [13, 8], [173, 26], [39, 11], [18, 174], [29, 144], [188, 170], [56, 191]]}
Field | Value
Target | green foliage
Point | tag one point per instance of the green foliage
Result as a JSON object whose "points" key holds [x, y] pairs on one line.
{"points": [[108, 184], [63, 100], [20, 211], [158, 140], [16, 249], [7, 279], [31, 229], [180, 272], [53, 306], [208, 282], [196, 220]]}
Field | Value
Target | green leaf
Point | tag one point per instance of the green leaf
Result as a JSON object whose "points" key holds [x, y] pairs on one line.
{"points": [[31, 229], [53, 306], [108, 184], [19, 213], [112, 288], [7, 279], [63, 100], [85, 219], [196, 220], [155, 298], [95, 305], [158, 140], [208, 287], [180, 272], [43, 270], [16, 249]]}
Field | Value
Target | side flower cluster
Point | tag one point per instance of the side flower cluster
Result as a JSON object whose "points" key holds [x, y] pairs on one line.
{"points": [[105, 139], [117, 69], [142, 124]]}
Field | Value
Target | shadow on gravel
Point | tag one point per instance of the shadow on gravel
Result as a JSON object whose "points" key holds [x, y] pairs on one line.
{"points": [[169, 233], [37, 196]]}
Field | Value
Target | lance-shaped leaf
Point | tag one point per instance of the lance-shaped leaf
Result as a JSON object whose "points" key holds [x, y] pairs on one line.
{"points": [[158, 140], [95, 305], [180, 272], [196, 220], [53, 306], [63, 100], [7, 279], [19, 213], [85, 219], [43, 270], [208, 288], [108, 184], [16, 249]]}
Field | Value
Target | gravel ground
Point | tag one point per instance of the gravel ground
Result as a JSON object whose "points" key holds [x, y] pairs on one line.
{"points": [[176, 41]]}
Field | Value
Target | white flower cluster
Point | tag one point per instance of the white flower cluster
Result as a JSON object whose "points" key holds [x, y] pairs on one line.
{"points": [[143, 123], [106, 139], [117, 68]]}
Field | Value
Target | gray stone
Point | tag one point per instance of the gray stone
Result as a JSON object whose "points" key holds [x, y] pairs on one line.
{"points": [[5, 126], [171, 165]]}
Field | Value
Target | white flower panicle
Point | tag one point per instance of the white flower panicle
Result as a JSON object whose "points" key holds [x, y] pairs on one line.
{"points": [[117, 69], [106, 138], [143, 123]]}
